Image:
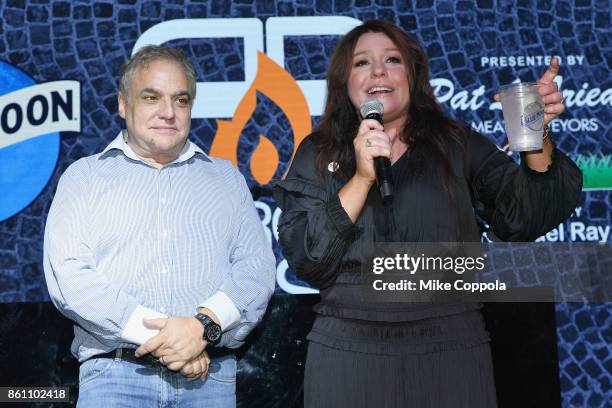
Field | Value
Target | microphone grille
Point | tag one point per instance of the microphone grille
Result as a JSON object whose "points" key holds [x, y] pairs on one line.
{"points": [[371, 106]]}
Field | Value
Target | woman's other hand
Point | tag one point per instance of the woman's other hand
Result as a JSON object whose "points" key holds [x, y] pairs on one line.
{"points": [[549, 92]]}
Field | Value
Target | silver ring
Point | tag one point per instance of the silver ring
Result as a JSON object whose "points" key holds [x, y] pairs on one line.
{"points": [[368, 143], [161, 360]]}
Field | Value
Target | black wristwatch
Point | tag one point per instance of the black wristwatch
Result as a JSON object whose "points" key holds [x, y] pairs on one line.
{"points": [[212, 331]]}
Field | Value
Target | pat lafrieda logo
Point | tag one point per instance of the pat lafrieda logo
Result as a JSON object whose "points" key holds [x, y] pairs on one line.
{"points": [[31, 117]]}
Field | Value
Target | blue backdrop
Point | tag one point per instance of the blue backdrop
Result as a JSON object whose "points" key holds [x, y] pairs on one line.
{"points": [[474, 46]]}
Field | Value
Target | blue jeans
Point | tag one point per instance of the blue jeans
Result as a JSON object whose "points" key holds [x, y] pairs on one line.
{"points": [[113, 383]]}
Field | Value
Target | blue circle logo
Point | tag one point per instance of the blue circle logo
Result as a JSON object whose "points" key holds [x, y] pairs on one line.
{"points": [[25, 166]]}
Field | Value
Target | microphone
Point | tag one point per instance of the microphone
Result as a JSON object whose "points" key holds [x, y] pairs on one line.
{"points": [[373, 109]]}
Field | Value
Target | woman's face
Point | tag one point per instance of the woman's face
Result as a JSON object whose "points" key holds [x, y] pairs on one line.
{"points": [[378, 71]]}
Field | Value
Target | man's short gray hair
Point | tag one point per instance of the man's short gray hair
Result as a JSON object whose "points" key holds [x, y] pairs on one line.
{"points": [[149, 54]]}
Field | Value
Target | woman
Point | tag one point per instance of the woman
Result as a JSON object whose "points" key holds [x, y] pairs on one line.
{"points": [[404, 355]]}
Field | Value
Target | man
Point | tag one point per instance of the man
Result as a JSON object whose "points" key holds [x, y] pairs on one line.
{"points": [[152, 227]]}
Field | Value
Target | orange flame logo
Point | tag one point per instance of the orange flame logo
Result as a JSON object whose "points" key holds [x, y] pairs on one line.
{"points": [[280, 87]]}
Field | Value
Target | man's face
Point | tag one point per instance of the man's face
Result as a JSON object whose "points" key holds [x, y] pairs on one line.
{"points": [[158, 113]]}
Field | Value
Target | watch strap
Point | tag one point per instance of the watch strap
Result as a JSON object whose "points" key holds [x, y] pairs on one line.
{"points": [[209, 325]]}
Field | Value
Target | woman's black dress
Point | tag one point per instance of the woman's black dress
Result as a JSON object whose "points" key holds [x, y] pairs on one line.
{"points": [[408, 354]]}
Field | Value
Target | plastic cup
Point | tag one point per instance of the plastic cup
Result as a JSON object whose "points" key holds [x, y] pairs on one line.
{"points": [[523, 115]]}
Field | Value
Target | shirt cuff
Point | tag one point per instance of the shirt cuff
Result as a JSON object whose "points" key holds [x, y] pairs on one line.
{"points": [[222, 306], [135, 330]]}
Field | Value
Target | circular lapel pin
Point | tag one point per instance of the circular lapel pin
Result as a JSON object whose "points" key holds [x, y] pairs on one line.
{"points": [[333, 166]]}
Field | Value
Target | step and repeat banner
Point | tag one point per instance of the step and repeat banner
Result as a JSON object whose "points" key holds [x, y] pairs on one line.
{"points": [[261, 89]]}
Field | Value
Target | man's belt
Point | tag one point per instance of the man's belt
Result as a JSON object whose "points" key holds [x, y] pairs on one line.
{"points": [[127, 354]]}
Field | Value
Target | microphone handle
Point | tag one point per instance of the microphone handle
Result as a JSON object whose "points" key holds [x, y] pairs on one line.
{"points": [[382, 167], [384, 178]]}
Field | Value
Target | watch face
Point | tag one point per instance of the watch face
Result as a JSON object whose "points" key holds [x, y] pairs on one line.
{"points": [[213, 332]]}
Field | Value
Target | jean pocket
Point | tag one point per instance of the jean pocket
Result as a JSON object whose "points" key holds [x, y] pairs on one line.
{"points": [[94, 368], [223, 369]]}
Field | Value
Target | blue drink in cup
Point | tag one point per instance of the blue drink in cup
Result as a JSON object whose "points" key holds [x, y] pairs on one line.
{"points": [[523, 116]]}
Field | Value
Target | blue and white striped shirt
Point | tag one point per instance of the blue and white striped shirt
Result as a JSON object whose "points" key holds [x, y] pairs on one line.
{"points": [[123, 236]]}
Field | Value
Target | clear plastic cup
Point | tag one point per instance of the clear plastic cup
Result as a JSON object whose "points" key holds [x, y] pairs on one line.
{"points": [[523, 115]]}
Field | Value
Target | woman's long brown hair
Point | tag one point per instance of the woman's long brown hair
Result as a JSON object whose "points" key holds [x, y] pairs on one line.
{"points": [[427, 131]]}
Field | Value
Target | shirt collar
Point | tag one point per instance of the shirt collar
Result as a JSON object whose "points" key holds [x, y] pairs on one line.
{"points": [[120, 143]]}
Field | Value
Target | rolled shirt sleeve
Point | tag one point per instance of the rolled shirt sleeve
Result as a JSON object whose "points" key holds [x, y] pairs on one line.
{"points": [[241, 301], [75, 287], [224, 308]]}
